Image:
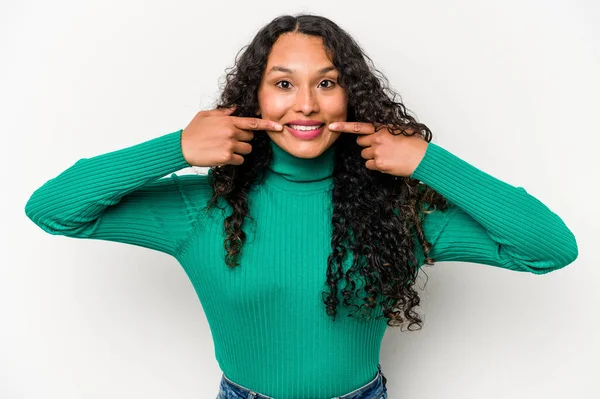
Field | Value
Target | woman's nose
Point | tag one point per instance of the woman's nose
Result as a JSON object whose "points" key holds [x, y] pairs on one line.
{"points": [[306, 101]]}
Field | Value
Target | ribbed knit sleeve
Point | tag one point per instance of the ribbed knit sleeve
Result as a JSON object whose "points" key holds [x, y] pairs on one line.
{"points": [[120, 196], [490, 222]]}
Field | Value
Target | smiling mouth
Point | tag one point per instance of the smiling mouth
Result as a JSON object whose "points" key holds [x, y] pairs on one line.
{"points": [[305, 127]]}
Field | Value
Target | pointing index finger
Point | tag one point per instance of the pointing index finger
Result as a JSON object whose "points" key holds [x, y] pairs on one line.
{"points": [[352, 127], [256, 124]]}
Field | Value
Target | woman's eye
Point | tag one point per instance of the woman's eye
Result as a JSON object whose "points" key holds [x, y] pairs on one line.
{"points": [[281, 82], [330, 81]]}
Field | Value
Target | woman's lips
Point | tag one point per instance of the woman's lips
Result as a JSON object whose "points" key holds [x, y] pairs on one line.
{"points": [[306, 134]]}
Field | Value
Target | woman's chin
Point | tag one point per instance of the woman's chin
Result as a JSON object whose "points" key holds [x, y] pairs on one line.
{"points": [[301, 148]]}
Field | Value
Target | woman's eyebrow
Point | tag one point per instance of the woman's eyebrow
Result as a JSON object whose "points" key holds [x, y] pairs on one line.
{"points": [[278, 68]]}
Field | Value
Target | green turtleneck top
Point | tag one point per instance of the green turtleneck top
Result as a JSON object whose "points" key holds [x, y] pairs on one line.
{"points": [[268, 321]]}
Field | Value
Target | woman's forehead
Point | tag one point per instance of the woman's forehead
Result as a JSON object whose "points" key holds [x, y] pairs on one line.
{"points": [[302, 51]]}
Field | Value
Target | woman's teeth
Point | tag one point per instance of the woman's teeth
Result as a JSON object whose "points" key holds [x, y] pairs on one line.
{"points": [[305, 128]]}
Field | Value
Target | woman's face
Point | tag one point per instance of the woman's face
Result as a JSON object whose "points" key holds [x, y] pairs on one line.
{"points": [[299, 84]]}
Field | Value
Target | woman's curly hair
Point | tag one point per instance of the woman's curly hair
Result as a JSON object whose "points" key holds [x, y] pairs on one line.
{"points": [[376, 216]]}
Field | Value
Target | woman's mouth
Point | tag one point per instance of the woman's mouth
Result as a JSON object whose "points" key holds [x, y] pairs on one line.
{"points": [[305, 132]]}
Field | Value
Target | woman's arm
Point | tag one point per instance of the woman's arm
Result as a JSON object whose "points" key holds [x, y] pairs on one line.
{"points": [[120, 196], [490, 222]]}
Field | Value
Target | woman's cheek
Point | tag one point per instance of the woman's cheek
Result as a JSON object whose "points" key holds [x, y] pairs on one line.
{"points": [[337, 108], [275, 106]]}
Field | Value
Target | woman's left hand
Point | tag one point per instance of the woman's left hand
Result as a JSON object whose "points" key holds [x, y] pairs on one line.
{"points": [[396, 155]]}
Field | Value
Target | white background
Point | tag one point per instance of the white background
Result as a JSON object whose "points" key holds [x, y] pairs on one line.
{"points": [[511, 87]]}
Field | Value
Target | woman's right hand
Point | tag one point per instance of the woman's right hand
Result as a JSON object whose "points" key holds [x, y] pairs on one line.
{"points": [[215, 138]]}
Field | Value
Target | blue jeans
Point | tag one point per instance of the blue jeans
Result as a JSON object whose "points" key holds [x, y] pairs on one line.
{"points": [[373, 390]]}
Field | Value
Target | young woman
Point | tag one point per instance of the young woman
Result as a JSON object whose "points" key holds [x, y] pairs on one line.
{"points": [[322, 201]]}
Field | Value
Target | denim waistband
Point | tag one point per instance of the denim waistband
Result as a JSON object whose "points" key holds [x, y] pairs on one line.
{"points": [[374, 389]]}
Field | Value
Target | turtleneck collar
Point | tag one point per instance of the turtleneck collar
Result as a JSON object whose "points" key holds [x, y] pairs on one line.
{"points": [[291, 173]]}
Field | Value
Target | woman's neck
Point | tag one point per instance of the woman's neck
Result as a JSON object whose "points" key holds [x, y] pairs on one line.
{"points": [[298, 174]]}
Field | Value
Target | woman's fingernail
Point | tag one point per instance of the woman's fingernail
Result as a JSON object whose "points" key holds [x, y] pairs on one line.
{"points": [[277, 126], [333, 126]]}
